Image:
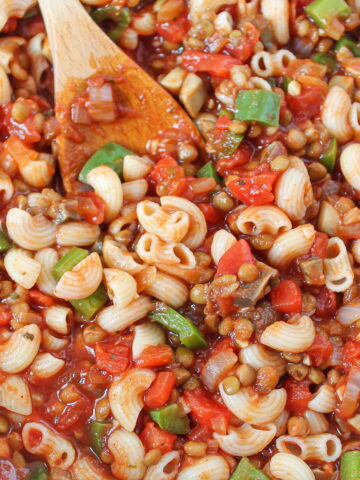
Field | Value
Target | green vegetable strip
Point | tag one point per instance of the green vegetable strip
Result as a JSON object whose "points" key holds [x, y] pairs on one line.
{"points": [[171, 419], [328, 158], [5, 243], [259, 106], [350, 465], [247, 471], [97, 433], [231, 143], [208, 170], [325, 59], [349, 43], [323, 11], [189, 335], [88, 306], [106, 13], [39, 473], [74, 256], [110, 154]]}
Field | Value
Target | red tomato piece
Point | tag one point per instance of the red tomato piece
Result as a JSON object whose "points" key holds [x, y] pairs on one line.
{"points": [[245, 49], [160, 390], [215, 64], [153, 437], [74, 413], [91, 207], [286, 297], [111, 358], [226, 305], [5, 316], [222, 122], [351, 353], [155, 356], [232, 164], [298, 395], [233, 258], [170, 174], [200, 433], [26, 130], [326, 302], [173, 31], [307, 105], [256, 190], [10, 25], [210, 213], [319, 246], [320, 350], [207, 411], [40, 299]]}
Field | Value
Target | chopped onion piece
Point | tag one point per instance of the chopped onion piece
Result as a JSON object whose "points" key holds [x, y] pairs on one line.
{"points": [[79, 114], [350, 313], [100, 104], [351, 395], [217, 367]]}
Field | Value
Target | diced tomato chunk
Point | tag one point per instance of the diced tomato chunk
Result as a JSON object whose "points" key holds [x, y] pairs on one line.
{"points": [[155, 356], [215, 64], [326, 302], [169, 174], [307, 105], [255, 190], [233, 258], [210, 213], [112, 358], [320, 350], [153, 437], [40, 299], [245, 48], [26, 130], [5, 316], [160, 390], [175, 30], [91, 207], [286, 297], [319, 245], [351, 354], [298, 395], [232, 164]]}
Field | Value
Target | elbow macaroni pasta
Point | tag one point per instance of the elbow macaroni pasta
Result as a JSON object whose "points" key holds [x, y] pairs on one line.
{"points": [[294, 337], [337, 268], [107, 185], [256, 220], [246, 440], [31, 233]]}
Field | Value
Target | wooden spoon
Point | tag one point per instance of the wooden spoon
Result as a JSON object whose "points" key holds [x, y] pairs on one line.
{"points": [[80, 49]]}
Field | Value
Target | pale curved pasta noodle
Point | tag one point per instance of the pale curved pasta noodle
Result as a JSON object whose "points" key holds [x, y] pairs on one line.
{"points": [[77, 234], [128, 453], [294, 337], [259, 83], [354, 117], [257, 356], [325, 447], [107, 185], [198, 7], [57, 317], [125, 396], [246, 440], [151, 249], [145, 335], [171, 227], [8, 48], [281, 59], [121, 286], [6, 187], [50, 343], [290, 245], [166, 468], [31, 233], [19, 351], [21, 267], [222, 241], [254, 408], [169, 290], [262, 64], [224, 23], [350, 164], [255, 220], [337, 268], [82, 280], [113, 319], [355, 250], [349, 313], [39, 172], [197, 229], [14, 8], [211, 467], [118, 257], [5, 87], [40, 440], [46, 365], [324, 400], [281, 423], [278, 14], [39, 62], [317, 422], [335, 114], [86, 467], [286, 466], [15, 395], [135, 190], [135, 167], [293, 193]]}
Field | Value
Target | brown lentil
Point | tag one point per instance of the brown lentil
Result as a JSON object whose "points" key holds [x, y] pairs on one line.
{"points": [[202, 259], [317, 171], [231, 385], [223, 202], [198, 293], [20, 111], [243, 329], [152, 457], [226, 326], [185, 356], [4, 425], [316, 376], [297, 371], [182, 375], [280, 163], [248, 273], [246, 374], [266, 379], [263, 241], [195, 449]]}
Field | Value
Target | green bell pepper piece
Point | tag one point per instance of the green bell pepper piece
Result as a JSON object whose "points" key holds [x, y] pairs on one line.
{"points": [[5, 243], [325, 59], [97, 433], [247, 471], [171, 419], [39, 473], [323, 11], [286, 83], [231, 143], [110, 154], [189, 335], [74, 256], [208, 170], [328, 158], [112, 12], [261, 106], [350, 465], [348, 42]]}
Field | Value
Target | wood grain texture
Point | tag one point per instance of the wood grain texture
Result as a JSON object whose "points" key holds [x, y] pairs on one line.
{"points": [[80, 49]]}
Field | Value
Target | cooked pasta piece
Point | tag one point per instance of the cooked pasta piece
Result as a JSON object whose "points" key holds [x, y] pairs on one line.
{"points": [[50, 343], [293, 337], [278, 14], [135, 167], [86, 467], [15, 395], [211, 467], [324, 400], [40, 440], [335, 114], [337, 268], [14, 8], [5, 86], [325, 447], [257, 356], [281, 423], [56, 318], [356, 251], [350, 164], [125, 396], [166, 468], [135, 190], [6, 187], [317, 422], [354, 118], [262, 63], [118, 257], [82, 280], [146, 335], [79, 234], [153, 250], [18, 352], [222, 241], [39, 62], [121, 286], [31, 233], [290, 245], [21, 268], [107, 185], [113, 319], [169, 290], [46, 365], [286, 466], [128, 453], [349, 314], [255, 220], [247, 439], [8, 47], [254, 408]]}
